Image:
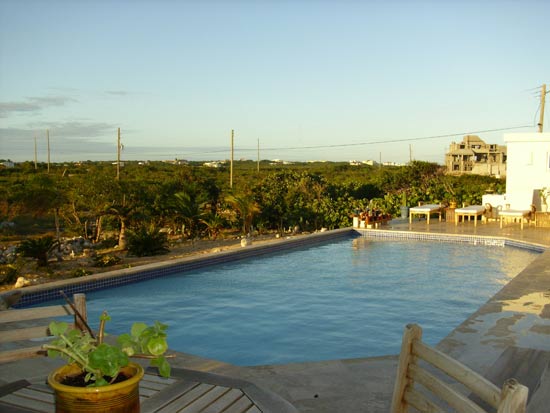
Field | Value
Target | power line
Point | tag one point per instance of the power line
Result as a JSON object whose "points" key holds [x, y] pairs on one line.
{"points": [[376, 142]]}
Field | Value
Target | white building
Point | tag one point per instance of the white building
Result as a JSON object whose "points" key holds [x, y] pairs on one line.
{"points": [[528, 169]]}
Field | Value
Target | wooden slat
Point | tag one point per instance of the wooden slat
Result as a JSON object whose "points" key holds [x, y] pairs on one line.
{"points": [[37, 313], [206, 399], [456, 400], [20, 401], [34, 394], [514, 397], [254, 409], [224, 402], [421, 402], [478, 384], [240, 406], [152, 385], [27, 333], [186, 399], [153, 378], [412, 332], [160, 400], [12, 355]]}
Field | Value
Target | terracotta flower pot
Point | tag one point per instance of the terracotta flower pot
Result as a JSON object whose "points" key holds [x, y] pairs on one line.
{"points": [[121, 397]]}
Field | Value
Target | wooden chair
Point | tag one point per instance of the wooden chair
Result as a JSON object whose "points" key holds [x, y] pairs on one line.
{"points": [[420, 386], [19, 326]]}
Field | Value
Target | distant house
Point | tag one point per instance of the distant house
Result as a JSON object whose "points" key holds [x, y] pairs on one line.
{"points": [[8, 164], [214, 164], [474, 156]]}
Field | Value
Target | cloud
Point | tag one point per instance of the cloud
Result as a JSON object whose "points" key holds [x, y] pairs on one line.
{"points": [[117, 92], [33, 104], [75, 140], [69, 130]]}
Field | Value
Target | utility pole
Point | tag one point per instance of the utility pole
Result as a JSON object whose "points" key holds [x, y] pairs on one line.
{"points": [[231, 166], [410, 153], [542, 101], [258, 154], [118, 156], [48, 139], [380, 159], [35, 160]]}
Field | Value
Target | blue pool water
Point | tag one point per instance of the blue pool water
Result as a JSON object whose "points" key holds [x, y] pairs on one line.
{"points": [[345, 299]]}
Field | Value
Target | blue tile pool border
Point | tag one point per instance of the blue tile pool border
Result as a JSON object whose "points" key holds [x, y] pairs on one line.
{"points": [[50, 291], [454, 238]]}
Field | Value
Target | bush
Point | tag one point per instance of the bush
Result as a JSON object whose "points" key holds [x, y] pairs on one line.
{"points": [[147, 241], [80, 272], [8, 274], [38, 248], [106, 260]]}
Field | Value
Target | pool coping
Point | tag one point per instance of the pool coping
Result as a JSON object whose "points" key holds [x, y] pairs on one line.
{"points": [[50, 291], [461, 238]]}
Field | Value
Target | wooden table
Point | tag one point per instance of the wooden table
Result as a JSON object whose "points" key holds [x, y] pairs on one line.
{"points": [[185, 391]]}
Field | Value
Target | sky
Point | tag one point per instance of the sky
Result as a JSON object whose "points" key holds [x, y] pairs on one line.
{"points": [[302, 80]]}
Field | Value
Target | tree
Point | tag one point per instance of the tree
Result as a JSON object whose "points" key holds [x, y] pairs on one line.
{"points": [[188, 208], [247, 208]]}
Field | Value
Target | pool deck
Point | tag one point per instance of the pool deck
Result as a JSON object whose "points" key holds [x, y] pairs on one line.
{"points": [[518, 315]]}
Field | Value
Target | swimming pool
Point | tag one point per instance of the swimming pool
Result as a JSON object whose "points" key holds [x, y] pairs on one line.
{"points": [[345, 299]]}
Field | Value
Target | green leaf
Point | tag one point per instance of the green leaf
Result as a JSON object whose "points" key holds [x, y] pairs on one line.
{"points": [[127, 344], [137, 329], [157, 346], [109, 359], [104, 317], [162, 364], [58, 328]]}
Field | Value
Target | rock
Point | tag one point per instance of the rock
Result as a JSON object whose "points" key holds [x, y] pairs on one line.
{"points": [[9, 299], [245, 242], [22, 282]]}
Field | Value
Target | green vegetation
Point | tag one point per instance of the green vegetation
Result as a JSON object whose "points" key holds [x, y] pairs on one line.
{"points": [[38, 248], [147, 240], [192, 200]]}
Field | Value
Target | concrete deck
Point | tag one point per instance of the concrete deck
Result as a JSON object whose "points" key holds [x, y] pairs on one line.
{"points": [[518, 315]]}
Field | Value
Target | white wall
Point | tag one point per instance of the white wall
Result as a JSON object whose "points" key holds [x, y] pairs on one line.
{"points": [[528, 168]]}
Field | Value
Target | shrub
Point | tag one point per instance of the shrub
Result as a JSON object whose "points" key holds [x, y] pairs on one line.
{"points": [[8, 274], [38, 248], [80, 272], [147, 240], [106, 260]]}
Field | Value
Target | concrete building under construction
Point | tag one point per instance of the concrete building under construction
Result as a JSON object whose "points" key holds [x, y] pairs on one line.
{"points": [[474, 156]]}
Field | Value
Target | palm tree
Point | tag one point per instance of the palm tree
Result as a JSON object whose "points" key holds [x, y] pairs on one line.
{"points": [[123, 212], [189, 210], [214, 224], [38, 248], [247, 208]]}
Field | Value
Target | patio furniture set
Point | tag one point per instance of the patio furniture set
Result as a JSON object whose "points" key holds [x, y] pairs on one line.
{"points": [[475, 212]]}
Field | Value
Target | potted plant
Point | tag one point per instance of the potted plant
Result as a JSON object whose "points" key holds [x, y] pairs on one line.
{"points": [[99, 376]]}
